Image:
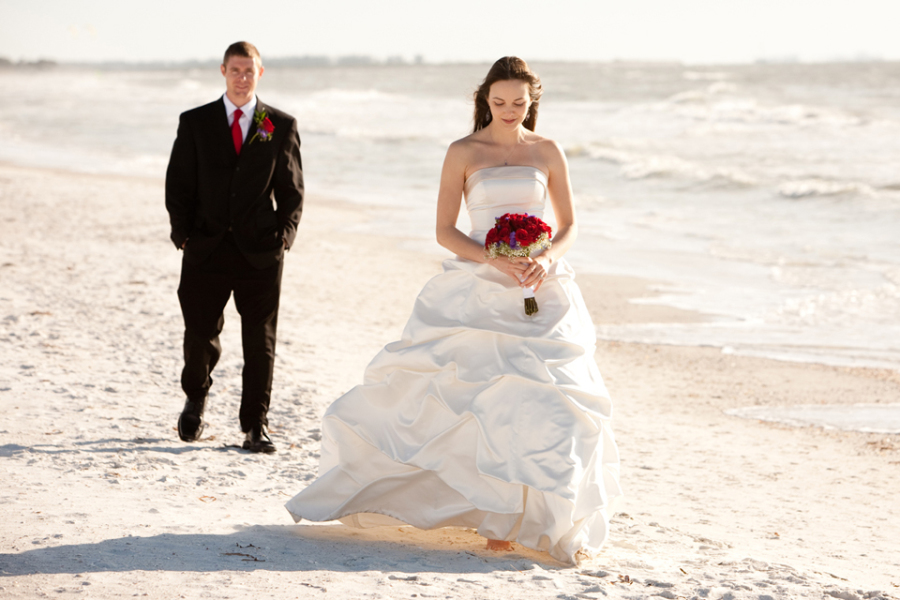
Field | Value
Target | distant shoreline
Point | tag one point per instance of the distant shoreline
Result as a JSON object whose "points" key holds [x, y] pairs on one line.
{"points": [[323, 61]]}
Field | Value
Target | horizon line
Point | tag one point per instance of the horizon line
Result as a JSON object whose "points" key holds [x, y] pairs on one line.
{"points": [[362, 60]]}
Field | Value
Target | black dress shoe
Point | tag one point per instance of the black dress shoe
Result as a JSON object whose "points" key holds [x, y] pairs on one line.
{"points": [[191, 423], [258, 440]]}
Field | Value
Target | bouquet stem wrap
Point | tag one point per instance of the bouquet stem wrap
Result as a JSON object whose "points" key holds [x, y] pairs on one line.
{"points": [[531, 306], [518, 235]]}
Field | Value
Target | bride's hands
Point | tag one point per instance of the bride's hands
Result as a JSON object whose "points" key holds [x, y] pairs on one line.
{"points": [[535, 272], [509, 265], [525, 271]]}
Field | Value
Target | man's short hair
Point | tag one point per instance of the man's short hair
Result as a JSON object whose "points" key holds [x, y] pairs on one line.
{"points": [[245, 49]]}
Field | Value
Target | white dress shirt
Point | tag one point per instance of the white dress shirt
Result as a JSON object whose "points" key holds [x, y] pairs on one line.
{"points": [[247, 110]]}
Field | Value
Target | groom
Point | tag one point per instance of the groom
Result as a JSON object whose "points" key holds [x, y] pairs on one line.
{"points": [[230, 160]]}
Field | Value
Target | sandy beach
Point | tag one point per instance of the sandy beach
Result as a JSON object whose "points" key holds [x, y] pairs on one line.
{"points": [[101, 499]]}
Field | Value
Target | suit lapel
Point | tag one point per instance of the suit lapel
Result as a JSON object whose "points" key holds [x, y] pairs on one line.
{"points": [[223, 132]]}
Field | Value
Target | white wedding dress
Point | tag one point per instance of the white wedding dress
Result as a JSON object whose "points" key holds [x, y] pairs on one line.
{"points": [[480, 416]]}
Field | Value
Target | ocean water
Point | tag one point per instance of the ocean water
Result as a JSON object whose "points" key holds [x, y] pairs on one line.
{"points": [[765, 196]]}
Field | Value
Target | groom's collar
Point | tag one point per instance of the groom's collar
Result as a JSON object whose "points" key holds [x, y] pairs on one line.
{"points": [[246, 109]]}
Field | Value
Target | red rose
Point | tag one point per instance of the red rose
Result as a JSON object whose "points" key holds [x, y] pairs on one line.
{"points": [[267, 126]]}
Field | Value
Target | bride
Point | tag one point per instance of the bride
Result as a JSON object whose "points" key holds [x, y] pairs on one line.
{"points": [[482, 416]]}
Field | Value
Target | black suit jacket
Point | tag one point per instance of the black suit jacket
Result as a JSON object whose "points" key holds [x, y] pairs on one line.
{"points": [[210, 189]]}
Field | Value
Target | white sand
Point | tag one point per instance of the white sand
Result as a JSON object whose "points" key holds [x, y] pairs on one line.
{"points": [[101, 499]]}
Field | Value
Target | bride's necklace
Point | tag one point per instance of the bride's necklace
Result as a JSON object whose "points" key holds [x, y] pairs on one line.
{"points": [[515, 146], [506, 160]]}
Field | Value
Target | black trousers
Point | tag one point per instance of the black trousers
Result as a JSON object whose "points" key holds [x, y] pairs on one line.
{"points": [[204, 291]]}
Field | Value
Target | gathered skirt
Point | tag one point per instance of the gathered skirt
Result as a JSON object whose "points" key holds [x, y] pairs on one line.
{"points": [[479, 416]]}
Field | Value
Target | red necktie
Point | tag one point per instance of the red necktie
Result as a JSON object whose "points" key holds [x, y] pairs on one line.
{"points": [[236, 134]]}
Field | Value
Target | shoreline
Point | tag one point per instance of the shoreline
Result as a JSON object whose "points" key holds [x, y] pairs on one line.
{"points": [[103, 492], [611, 295]]}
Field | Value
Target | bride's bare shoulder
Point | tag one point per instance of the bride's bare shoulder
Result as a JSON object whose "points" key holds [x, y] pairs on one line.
{"points": [[540, 142], [472, 142], [549, 150], [465, 150]]}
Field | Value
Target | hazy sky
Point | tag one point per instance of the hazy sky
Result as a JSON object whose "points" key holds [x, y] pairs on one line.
{"points": [[448, 30]]}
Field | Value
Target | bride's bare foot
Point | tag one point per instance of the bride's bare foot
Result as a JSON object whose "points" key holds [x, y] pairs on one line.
{"points": [[499, 545]]}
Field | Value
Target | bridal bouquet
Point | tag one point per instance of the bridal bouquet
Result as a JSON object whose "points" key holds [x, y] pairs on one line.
{"points": [[518, 235]]}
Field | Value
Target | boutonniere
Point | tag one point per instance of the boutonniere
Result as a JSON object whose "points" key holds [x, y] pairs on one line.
{"points": [[264, 127]]}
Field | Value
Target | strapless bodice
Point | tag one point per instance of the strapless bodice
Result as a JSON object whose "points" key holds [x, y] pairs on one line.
{"points": [[494, 191]]}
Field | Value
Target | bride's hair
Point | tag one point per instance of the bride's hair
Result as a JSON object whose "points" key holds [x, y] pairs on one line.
{"points": [[505, 69]]}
